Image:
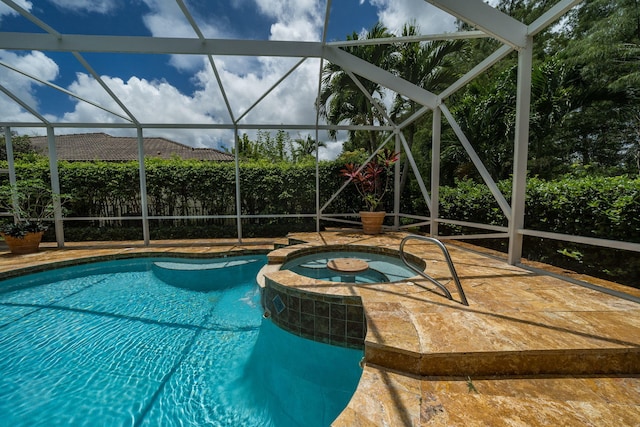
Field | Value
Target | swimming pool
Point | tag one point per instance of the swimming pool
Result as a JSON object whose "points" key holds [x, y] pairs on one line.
{"points": [[160, 341], [378, 268]]}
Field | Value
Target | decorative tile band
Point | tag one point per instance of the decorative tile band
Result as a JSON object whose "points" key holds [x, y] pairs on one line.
{"points": [[331, 319]]}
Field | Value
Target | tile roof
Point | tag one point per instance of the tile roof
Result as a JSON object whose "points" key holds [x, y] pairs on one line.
{"points": [[101, 146]]}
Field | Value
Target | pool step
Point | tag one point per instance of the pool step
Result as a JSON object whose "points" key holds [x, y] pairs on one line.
{"points": [[417, 337], [204, 276]]}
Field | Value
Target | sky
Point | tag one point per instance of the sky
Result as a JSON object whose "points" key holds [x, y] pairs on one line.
{"points": [[183, 89]]}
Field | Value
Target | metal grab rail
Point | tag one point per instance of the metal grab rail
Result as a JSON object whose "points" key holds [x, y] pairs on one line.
{"points": [[445, 252]]}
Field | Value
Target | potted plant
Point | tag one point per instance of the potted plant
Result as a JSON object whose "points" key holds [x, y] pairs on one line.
{"points": [[30, 202], [373, 182]]}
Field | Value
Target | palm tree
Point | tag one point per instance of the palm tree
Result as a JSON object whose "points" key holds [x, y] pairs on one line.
{"points": [[341, 100], [305, 147], [428, 65]]}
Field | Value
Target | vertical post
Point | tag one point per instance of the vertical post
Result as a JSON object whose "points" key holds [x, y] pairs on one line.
{"points": [[10, 162], [238, 194], [436, 132], [55, 187], [143, 189], [11, 166], [396, 183], [317, 182], [9, 145], [520, 152]]}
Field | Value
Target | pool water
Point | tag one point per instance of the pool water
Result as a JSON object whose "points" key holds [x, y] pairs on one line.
{"points": [[113, 343], [382, 268]]}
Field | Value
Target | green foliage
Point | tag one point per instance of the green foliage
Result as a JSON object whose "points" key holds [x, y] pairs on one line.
{"points": [[584, 100], [600, 207], [342, 100], [278, 148], [472, 202], [30, 201], [603, 207], [21, 147], [189, 187], [372, 180], [580, 204]]}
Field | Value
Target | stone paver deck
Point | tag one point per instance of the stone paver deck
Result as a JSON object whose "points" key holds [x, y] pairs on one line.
{"points": [[531, 349]]}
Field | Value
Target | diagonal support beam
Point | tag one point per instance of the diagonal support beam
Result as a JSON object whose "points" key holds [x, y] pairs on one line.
{"points": [[403, 142], [24, 104], [376, 74], [212, 62], [551, 15], [347, 182], [271, 89], [63, 90], [416, 172], [486, 18], [487, 63], [504, 205], [107, 89], [32, 18]]}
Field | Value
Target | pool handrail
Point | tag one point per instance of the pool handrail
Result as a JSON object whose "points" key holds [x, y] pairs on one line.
{"points": [[445, 252]]}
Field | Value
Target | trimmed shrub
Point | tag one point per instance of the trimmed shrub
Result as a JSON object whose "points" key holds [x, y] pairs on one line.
{"points": [[602, 207]]}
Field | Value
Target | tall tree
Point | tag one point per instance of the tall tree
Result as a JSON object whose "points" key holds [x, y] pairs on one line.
{"points": [[604, 53], [21, 145], [305, 148], [585, 70], [341, 100], [428, 65]]}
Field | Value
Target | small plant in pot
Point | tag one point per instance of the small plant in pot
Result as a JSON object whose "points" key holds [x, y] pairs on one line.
{"points": [[373, 182], [30, 201]]}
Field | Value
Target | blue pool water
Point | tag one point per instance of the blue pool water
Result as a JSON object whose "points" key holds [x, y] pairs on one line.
{"points": [[160, 342], [382, 268]]}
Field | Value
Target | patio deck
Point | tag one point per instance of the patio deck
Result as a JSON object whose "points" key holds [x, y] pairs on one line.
{"points": [[531, 349]]}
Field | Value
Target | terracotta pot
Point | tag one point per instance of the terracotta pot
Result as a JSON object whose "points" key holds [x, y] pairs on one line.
{"points": [[24, 245], [372, 221]]}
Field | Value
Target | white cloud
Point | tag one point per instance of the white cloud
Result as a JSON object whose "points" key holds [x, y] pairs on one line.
{"points": [[167, 20], [395, 13], [299, 29], [331, 151], [6, 10], [34, 63], [149, 102], [299, 20], [97, 6]]}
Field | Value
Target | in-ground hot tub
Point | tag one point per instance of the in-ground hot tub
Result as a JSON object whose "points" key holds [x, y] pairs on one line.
{"points": [[356, 265], [311, 290]]}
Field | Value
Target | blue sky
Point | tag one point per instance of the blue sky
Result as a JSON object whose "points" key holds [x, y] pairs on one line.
{"points": [[174, 89]]}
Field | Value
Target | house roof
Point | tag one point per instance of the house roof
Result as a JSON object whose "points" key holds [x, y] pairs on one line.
{"points": [[101, 146]]}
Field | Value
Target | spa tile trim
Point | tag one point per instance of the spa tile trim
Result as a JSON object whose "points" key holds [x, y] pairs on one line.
{"points": [[330, 319]]}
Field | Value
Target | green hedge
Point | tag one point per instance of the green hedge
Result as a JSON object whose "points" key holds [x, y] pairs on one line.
{"points": [[600, 207], [603, 207], [184, 187]]}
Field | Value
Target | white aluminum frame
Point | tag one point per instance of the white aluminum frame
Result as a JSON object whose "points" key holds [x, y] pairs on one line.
{"points": [[488, 21]]}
